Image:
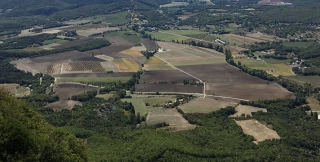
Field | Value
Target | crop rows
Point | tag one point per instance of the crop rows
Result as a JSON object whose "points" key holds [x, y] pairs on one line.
{"points": [[11, 89], [54, 69], [86, 66]]}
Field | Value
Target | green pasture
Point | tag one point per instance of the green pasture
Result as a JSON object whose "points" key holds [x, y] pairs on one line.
{"points": [[139, 102], [313, 80]]}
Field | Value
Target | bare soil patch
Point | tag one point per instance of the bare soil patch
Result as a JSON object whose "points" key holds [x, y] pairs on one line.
{"points": [[169, 116], [259, 131], [166, 81], [169, 88], [63, 104], [67, 90], [149, 44], [205, 105], [244, 110], [226, 80], [168, 76]]}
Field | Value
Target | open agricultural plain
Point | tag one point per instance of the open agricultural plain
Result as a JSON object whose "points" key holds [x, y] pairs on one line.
{"points": [[259, 131], [103, 60], [227, 81], [219, 79], [180, 54]]}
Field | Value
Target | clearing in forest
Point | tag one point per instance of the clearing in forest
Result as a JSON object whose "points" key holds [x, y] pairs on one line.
{"points": [[63, 104], [205, 105], [169, 116], [244, 110], [15, 89], [313, 103], [259, 131], [147, 103]]}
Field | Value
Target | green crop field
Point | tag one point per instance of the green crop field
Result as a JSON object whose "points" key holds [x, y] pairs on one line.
{"points": [[167, 36], [155, 102], [92, 79], [254, 63], [229, 40], [54, 41], [134, 39], [275, 61], [272, 66], [313, 80]]}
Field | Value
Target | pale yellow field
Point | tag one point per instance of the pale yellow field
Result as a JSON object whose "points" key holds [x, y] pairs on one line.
{"points": [[259, 131], [313, 103], [126, 65], [131, 52], [280, 69]]}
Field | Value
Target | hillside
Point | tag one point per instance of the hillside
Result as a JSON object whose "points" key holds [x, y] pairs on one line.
{"points": [[26, 136]]}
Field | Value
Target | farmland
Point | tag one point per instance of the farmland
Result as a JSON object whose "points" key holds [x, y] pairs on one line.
{"points": [[15, 89], [185, 55], [149, 44], [153, 63], [126, 65], [273, 67], [313, 103], [313, 80], [166, 81], [197, 34], [167, 36], [259, 131], [245, 111], [169, 116], [204, 105], [128, 36], [140, 102], [91, 79], [226, 80], [131, 52], [67, 90]]}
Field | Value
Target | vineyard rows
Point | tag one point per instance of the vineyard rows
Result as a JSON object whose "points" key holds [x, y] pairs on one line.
{"points": [[80, 66]]}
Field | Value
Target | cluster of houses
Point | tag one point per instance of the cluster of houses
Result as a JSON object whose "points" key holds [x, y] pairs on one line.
{"points": [[297, 63]]}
